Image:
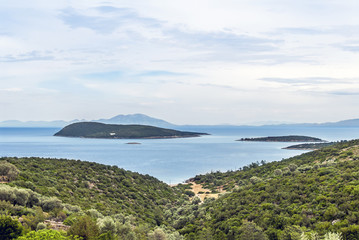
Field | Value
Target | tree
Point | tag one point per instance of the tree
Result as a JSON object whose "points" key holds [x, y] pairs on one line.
{"points": [[85, 227], [291, 233], [106, 224], [9, 228], [9, 170], [46, 234], [250, 231], [157, 234]]}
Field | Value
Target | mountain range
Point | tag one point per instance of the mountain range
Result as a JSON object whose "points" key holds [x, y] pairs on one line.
{"points": [[119, 119], [147, 120]]}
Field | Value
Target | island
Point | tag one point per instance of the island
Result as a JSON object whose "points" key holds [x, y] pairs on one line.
{"points": [[116, 131], [309, 146], [290, 138]]}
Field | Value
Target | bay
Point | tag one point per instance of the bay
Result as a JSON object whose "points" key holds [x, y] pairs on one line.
{"points": [[170, 160]]}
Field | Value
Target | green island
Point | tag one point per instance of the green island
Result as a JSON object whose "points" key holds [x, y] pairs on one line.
{"points": [[309, 146], [289, 138], [311, 196], [116, 131]]}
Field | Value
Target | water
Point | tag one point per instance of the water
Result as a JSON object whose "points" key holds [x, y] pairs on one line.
{"points": [[170, 160]]}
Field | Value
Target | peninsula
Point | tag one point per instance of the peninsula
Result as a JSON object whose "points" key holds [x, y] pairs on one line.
{"points": [[115, 131], [290, 138], [309, 146]]}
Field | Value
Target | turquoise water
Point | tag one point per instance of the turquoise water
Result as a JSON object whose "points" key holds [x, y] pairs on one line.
{"points": [[170, 160]]}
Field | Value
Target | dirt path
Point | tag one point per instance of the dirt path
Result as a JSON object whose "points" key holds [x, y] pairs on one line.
{"points": [[202, 192]]}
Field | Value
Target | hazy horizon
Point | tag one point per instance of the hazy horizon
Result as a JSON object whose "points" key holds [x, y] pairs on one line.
{"points": [[254, 123], [202, 62]]}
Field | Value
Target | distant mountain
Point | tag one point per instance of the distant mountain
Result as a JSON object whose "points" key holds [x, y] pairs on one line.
{"points": [[146, 120], [117, 131], [119, 119], [344, 123], [136, 119], [39, 124]]}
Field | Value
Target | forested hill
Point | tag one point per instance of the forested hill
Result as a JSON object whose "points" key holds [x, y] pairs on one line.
{"points": [[108, 189], [68, 194], [313, 194], [290, 138], [101, 130]]}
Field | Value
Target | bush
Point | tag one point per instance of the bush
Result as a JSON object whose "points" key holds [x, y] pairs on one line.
{"points": [[278, 172], [9, 228], [49, 204], [46, 234], [40, 226], [85, 227], [106, 225], [8, 170]]}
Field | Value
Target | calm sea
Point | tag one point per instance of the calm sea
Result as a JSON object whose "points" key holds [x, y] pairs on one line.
{"points": [[170, 160]]}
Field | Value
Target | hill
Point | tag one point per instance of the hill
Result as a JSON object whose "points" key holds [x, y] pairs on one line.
{"points": [[65, 194], [101, 130], [290, 138], [314, 193], [138, 119], [303, 197], [108, 189], [309, 146]]}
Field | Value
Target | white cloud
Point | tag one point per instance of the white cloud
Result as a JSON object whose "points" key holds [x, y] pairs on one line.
{"points": [[215, 61]]}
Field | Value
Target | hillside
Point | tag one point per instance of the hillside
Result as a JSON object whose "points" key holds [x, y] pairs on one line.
{"points": [[317, 191], [138, 119], [63, 192], [290, 138], [108, 189], [309, 146], [101, 130], [302, 197]]}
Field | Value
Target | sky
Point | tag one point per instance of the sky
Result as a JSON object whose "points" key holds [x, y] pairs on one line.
{"points": [[187, 62]]}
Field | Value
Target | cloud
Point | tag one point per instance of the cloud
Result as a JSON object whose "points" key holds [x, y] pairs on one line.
{"points": [[315, 85], [309, 80], [11, 89], [28, 56], [227, 57], [125, 24], [348, 92], [104, 19], [160, 73], [349, 47]]}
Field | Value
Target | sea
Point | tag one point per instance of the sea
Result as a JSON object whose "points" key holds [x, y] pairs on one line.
{"points": [[170, 160]]}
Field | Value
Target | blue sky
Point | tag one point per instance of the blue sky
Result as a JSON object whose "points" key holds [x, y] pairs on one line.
{"points": [[187, 62]]}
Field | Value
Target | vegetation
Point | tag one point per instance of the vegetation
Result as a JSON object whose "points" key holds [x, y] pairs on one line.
{"points": [[101, 130], [9, 228], [317, 191], [290, 138], [309, 146], [311, 196]]}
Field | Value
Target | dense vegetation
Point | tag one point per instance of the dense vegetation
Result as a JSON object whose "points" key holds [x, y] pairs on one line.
{"points": [[311, 196], [290, 138], [108, 189], [101, 130], [309, 146], [316, 191]]}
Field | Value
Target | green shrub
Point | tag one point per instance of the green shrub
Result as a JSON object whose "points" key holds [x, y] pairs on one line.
{"points": [[9, 228], [47, 234]]}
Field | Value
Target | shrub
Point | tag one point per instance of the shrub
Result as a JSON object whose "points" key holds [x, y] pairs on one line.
{"points": [[46, 234], [278, 172], [8, 170], [85, 227], [9, 228]]}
